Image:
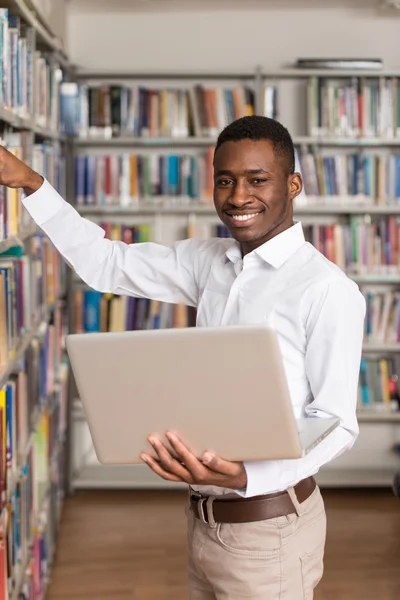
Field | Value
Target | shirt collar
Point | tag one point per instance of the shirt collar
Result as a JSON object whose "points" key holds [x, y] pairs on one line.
{"points": [[277, 250]]}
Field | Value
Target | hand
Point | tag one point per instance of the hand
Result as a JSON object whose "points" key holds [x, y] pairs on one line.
{"points": [[211, 470], [16, 174]]}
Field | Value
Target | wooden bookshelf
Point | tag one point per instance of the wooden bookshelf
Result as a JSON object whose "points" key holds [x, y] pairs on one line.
{"points": [[173, 214], [33, 122]]}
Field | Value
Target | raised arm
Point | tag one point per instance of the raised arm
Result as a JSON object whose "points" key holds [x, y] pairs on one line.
{"points": [[144, 270]]}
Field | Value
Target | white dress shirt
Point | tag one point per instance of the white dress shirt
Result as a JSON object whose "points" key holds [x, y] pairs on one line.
{"points": [[316, 310]]}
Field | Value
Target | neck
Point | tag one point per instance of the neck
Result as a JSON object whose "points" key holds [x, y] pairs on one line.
{"points": [[247, 247]]}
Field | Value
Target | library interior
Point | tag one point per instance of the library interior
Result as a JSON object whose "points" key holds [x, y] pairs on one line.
{"points": [[118, 106]]}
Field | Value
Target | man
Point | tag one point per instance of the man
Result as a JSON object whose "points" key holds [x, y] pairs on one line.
{"points": [[256, 530]]}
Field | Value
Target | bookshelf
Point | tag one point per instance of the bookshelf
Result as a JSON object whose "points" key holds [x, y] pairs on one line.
{"points": [[287, 95], [34, 373]]}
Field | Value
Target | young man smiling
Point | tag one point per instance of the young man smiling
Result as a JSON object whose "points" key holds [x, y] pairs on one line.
{"points": [[255, 530]]}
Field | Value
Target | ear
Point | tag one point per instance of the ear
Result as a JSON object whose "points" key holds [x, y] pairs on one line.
{"points": [[295, 184]]}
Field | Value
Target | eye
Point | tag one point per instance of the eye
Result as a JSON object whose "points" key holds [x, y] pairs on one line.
{"points": [[225, 182], [258, 181]]}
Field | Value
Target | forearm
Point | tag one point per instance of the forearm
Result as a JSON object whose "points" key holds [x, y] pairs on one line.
{"points": [[286, 473]]}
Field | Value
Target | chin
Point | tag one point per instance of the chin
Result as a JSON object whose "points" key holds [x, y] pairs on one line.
{"points": [[241, 235]]}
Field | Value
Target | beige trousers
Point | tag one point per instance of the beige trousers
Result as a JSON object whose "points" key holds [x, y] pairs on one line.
{"points": [[276, 559]]}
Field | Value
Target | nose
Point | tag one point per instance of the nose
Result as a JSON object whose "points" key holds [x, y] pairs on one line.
{"points": [[240, 194]]}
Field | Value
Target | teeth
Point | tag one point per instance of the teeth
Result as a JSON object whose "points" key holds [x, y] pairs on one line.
{"points": [[244, 217]]}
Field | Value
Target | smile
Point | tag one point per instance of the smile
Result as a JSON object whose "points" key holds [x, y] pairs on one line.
{"points": [[244, 219]]}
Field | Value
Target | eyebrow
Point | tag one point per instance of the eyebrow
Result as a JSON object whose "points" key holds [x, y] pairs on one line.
{"points": [[249, 172]]}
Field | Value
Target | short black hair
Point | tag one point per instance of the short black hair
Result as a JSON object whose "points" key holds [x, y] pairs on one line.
{"points": [[261, 128]]}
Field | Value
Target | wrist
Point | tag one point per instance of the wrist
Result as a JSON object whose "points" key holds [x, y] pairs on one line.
{"points": [[33, 183]]}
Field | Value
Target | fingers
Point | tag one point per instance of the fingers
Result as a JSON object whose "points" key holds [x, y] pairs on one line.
{"points": [[157, 468], [200, 469], [168, 463], [219, 465]]}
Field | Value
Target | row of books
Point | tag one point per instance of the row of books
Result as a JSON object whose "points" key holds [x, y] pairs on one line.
{"points": [[32, 431], [378, 387], [94, 311], [362, 178], [357, 107], [125, 179], [30, 82], [362, 245], [382, 322], [45, 158], [113, 110], [29, 284]]}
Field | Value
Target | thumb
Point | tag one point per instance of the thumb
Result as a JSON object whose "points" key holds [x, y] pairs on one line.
{"points": [[219, 465]]}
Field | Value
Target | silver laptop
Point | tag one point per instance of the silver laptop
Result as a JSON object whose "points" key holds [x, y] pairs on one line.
{"points": [[220, 389]]}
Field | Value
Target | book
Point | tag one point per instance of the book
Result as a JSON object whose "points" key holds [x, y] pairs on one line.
{"points": [[108, 111], [127, 179], [353, 107], [360, 246]]}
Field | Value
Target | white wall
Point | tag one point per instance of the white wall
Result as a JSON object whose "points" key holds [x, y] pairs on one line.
{"points": [[162, 35]]}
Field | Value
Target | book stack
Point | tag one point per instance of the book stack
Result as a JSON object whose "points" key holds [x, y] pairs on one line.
{"points": [[29, 285], [48, 160], [382, 323], [378, 384], [125, 179], [30, 82], [116, 110], [354, 107], [362, 178], [361, 246], [32, 430], [95, 312]]}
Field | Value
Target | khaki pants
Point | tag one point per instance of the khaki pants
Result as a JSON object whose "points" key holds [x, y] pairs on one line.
{"points": [[276, 559]]}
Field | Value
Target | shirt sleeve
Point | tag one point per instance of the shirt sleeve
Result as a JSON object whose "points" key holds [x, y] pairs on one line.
{"points": [[144, 270], [334, 335]]}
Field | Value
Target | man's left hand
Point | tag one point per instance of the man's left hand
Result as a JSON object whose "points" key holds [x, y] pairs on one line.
{"points": [[187, 468]]}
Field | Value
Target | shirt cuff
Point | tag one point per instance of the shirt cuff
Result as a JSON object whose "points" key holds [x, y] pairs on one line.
{"points": [[259, 474], [43, 204]]}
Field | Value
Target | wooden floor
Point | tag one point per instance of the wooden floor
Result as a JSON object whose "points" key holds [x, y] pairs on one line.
{"points": [[131, 546]]}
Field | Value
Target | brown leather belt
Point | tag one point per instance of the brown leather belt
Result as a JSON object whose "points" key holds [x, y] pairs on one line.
{"points": [[246, 510]]}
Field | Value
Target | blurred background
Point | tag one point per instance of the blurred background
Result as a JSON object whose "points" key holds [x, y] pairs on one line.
{"points": [[119, 105]]}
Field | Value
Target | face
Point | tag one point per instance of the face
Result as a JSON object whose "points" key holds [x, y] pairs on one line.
{"points": [[253, 194]]}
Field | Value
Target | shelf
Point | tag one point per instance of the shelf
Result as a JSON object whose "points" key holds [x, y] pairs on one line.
{"points": [[381, 348], [82, 74], [25, 563], [17, 240], [148, 207], [354, 478], [12, 364], [137, 477], [130, 141], [298, 73], [28, 124], [375, 278], [375, 416], [121, 476], [289, 73], [344, 141], [44, 36], [342, 209], [22, 460]]}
